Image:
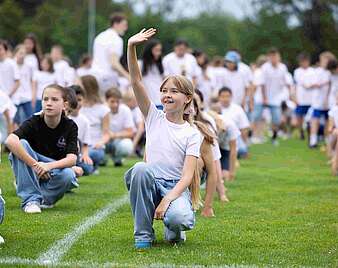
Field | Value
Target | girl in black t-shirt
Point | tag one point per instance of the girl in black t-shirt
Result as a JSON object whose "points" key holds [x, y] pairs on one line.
{"points": [[43, 150]]}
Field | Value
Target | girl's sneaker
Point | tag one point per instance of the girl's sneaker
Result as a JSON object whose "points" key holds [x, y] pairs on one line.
{"points": [[142, 245]]}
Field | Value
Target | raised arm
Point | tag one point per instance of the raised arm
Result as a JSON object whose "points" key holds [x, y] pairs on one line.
{"points": [[134, 70]]}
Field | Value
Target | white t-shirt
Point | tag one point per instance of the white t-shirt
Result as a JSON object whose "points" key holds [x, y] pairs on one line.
{"points": [[137, 116], [174, 65], [206, 84], [213, 128], [231, 133], [42, 80], [333, 90], [237, 82], [83, 128], [236, 114], [246, 71], [82, 71], [24, 92], [258, 82], [95, 115], [275, 79], [167, 144], [333, 113], [122, 119], [217, 75], [106, 44], [61, 68], [70, 76], [152, 82], [9, 73], [6, 104], [304, 78], [320, 95], [32, 62]]}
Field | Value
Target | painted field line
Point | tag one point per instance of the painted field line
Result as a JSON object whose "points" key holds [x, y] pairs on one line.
{"points": [[82, 264], [55, 253]]}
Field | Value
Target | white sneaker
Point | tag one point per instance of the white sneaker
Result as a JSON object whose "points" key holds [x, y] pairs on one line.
{"points": [[2, 240], [32, 207]]}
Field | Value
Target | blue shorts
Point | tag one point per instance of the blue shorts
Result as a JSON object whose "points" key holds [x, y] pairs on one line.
{"points": [[320, 113], [275, 110], [302, 110]]}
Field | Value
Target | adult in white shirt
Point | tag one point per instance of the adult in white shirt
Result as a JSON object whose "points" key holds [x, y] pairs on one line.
{"points": [[236, 80], [121, 128], [9, 74], [152, 70], [60, 65], [304, 77], [320, 102], [107, 51], [180, 62], [274, 74], [234, 112]]}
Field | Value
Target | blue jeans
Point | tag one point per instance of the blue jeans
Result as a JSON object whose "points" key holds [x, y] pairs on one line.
{"points": [[38, 106], [31, 189], [275, 110], [97, 155], [87, 169], [2, 209], [146, 192], [119, 148], [24, 111]]}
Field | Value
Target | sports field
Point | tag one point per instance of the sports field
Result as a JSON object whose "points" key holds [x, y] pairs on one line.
{"points": [[283, 213]]}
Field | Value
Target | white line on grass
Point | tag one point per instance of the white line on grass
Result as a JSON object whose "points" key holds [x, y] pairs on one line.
{"points": [[54, 254], [32, 262]]}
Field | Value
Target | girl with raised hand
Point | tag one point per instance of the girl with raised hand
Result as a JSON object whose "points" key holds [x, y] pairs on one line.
{"points": [[160, 187], [43, 150]]}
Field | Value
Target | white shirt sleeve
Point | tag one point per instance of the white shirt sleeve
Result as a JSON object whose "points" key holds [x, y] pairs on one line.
{"points": [[153, 115], [194, 144]]}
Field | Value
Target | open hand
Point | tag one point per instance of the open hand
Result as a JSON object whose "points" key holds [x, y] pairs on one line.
{"points": [[142, 36], [87, 160]]}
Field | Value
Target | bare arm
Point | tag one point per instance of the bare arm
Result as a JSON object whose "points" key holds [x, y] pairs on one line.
{"points": [[189, 167], [139, 133], [134, 69], [210, 165], [125, 133], [116, 65], [15, 88], [14, 145]]}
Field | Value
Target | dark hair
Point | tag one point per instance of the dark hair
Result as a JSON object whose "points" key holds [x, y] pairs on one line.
{"points": [[303, 57], [50, 62], [84, 59], [181, 41], [332, 65], [273, 50], [4, 43], [116, 17], [37, 51], [224, 89], [148, 58], [200, 94], [113, 93], [78, 90], [71, 97]]}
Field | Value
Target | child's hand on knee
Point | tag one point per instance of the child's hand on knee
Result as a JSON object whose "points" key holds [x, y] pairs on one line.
{"points": [[162, 208]]}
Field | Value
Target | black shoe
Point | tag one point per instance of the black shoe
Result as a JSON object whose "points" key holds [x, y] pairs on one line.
{"points": [[118, 163]]}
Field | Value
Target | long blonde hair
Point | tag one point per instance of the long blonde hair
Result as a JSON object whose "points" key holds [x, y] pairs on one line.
{"points": [[186, 87]]}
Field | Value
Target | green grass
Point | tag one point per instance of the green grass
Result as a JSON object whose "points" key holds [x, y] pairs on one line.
{"points": [[283, 212]]}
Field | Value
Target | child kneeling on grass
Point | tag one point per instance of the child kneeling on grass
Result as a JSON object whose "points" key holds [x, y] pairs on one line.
{"points": [[159, 188], [43, 150]]}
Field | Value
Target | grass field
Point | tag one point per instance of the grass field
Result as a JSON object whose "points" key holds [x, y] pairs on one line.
{"points": [[283, 213]]}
